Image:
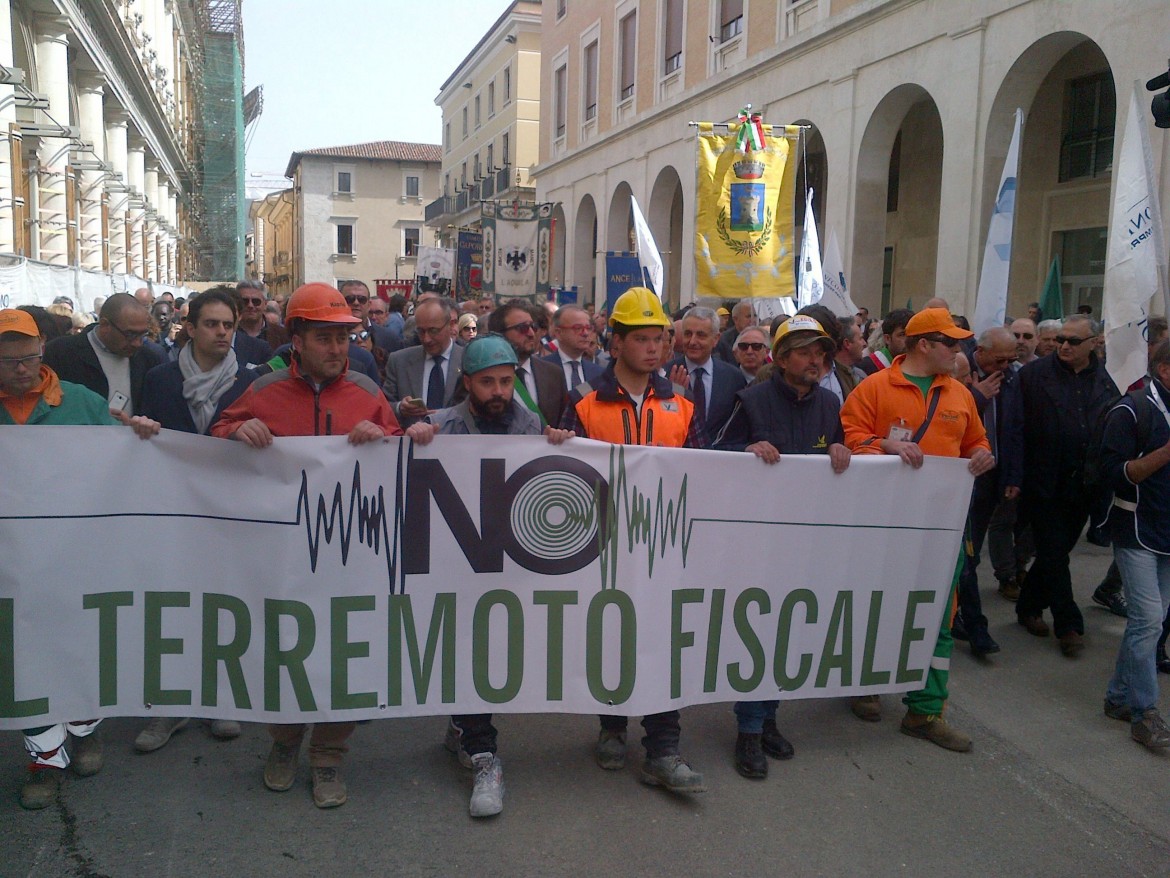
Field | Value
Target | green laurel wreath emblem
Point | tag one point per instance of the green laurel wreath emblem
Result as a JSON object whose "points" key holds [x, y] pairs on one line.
{"points": [[744, 248]]}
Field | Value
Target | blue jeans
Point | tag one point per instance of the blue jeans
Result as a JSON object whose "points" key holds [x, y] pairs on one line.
{"points": [[1146, 580], [750, 715]]}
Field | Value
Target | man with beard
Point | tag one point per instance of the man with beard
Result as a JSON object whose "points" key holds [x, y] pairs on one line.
{"points": [[789, 413], [491, 408]]}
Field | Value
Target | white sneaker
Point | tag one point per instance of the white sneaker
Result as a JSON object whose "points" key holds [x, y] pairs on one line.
{"points": [[487, 798], [225, 729]]}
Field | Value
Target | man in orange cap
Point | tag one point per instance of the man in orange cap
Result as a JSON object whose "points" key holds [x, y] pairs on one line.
{"points": [[912, 409], [317, 395], [31, 393]]}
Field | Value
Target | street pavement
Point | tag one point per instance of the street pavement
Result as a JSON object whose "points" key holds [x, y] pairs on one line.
{"points": [[1052, 787]]}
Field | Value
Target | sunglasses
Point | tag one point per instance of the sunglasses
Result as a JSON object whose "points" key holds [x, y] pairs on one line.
{"points": [[1027, 336], [751, 345], [1071, 340], [359, 336], [521, 327], [356, 300], [255, 303]]}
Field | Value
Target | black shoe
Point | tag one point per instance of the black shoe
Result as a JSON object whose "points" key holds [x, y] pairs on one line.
{"points": [[958, 629], [1163, 662], [982, 643], [749, 758], [1111, 599], [774, 743]]}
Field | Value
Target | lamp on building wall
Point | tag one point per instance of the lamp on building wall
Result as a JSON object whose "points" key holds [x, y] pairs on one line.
{"points": [[467, 85], [510, 38]]}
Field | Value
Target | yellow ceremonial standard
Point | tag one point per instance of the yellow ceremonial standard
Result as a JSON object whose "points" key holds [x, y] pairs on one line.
{"points": [[744, 212]]}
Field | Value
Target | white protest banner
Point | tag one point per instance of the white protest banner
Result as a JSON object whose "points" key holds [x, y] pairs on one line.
{"points": [[1135, 260], [315, 580], [811, 285]]}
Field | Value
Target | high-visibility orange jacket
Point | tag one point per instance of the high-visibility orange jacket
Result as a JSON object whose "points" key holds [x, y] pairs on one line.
{"points": [[888, 398]]}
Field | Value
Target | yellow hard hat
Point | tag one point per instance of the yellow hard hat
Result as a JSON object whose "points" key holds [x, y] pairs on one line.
{"points": [[638, 306]]}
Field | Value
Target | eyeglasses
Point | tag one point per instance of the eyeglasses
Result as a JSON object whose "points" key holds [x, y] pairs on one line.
{"points": [[580, 328], [1026, 336], [359, 336], [1071, 340], [751, 345], [15, 363], [128, 334], [526, 327], [429, 331], [356, 300], [255, 303], [376, 311], [951, 343]]}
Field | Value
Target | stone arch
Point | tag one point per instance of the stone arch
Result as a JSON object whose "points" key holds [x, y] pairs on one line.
{"points": [[585, 251], [1059, 209], [619, 224], [898, 191], [812, 169], [664, 215]]}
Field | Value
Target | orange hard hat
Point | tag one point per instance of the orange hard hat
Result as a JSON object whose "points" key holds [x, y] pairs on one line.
{"points": [[319, 303]]}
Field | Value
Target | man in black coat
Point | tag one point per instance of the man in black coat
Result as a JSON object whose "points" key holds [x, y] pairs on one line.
{"points": [[711, 383], [1065, 397], [111, 358]]}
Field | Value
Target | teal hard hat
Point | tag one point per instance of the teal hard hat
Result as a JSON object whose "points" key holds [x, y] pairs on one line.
{"points": [[486, 351]]}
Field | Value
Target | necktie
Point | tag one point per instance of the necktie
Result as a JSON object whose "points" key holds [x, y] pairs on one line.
{"points": [[435, 384], [576, 374], [699, 390]]}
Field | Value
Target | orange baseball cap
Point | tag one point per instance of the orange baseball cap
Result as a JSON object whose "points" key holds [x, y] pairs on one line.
{"points": [[939, 320], [12, 320]]}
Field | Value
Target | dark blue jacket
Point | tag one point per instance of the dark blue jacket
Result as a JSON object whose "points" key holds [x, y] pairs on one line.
{"points": [[1140, 515], [726, 382], [251, 351], [162, 396], [771, 412], [1008, 442]]}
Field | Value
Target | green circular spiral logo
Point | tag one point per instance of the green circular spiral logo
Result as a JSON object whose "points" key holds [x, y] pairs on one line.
{"points": [[553, 515]]}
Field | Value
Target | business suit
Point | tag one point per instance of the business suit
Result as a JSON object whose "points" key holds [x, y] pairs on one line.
{"points": [[73, 358], [726, 382], [404, 377], [589, 370]]}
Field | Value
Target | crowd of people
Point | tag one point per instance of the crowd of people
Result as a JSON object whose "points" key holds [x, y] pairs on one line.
{"points": [[1052, 444]]}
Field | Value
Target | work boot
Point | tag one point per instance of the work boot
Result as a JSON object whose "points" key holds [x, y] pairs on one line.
{"points": [[86, 756], [280, 771], [225, 729], [40, 788], [453, 741], [672, 773], [610, 751], [1163, 660], [749, 756], [935, 729], [487, 797], [328, 787], [1112, 599], [157, 732], [867, 707], [1009, 590], [774, 743], [1150, 730]]}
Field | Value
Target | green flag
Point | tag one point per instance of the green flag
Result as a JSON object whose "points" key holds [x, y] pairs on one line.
{"points": [[1052, 302]]}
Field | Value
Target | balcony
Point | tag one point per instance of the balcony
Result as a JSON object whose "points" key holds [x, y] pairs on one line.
{"points": [[437, 208]]}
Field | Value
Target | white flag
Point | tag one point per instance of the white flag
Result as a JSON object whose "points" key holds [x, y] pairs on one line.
{"points": [[836, 292], [1135, 262], [812, 281], [991, 300], [649, 259]]}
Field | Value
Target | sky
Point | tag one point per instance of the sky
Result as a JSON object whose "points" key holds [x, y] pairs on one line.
{"points": [[337, 72]]}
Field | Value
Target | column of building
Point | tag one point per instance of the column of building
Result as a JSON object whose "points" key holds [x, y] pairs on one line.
{"points": [[150, 221], [52, 213], [136, 212], [119, 195], [9, 190], [92, 251]]}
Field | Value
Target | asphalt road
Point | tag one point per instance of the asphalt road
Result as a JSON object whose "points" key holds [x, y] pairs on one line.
{"points": [[1052, 787]]}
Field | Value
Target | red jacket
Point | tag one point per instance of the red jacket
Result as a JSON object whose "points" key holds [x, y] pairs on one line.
{"points": [[289, 405]]}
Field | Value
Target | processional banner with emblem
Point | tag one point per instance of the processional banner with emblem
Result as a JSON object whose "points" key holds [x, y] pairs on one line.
{"points": [[517, 250], [746, 184]]}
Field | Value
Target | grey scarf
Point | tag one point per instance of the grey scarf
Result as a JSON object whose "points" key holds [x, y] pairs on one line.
{"points": [[203, 390]]}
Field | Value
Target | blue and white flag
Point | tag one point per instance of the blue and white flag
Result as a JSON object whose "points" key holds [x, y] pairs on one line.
{"points": [[648, 256], [836, 292], [1135, 262], [991, 300]]}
